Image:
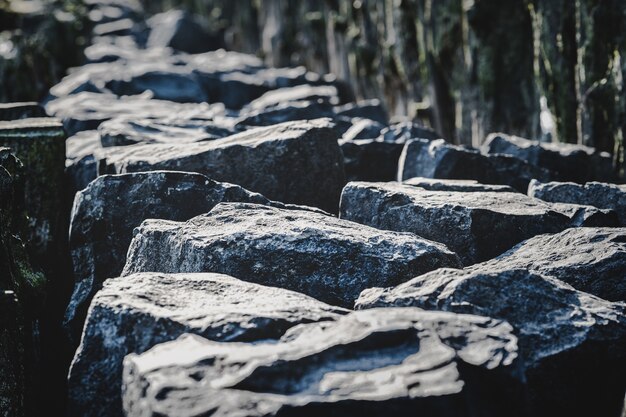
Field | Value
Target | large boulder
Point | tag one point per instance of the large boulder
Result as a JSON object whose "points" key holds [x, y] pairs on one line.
{"points": [[401, 362], [476, 225], [568, 162], [294, 162], [370, 159], [106, 212], [134, 313], [580, 215], [441, 160], [597, 194], [589, 259], [321, 256], [573, 344]]}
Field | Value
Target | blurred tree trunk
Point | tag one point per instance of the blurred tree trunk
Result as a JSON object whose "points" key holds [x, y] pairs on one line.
{"points": [[465, 67]]}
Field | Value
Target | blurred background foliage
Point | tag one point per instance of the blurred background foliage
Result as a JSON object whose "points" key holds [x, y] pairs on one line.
{"points": [[543, 69]]}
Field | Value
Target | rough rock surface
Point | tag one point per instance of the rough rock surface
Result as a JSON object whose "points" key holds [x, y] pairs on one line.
{"points": [[597, 194], [433, 184], [321, 256], [476, 225], [134, 313], [441, 160], [568, 162], [573, 344], [100, 236], [369, 363], [587, 216], [370, 159], [294, 162], [590, 259]]}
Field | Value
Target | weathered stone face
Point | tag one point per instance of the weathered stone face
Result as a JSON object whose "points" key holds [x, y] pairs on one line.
{"points": [[321, 256], [100, 235], [370, 159], [136, 312], [441, 160], [295, 162], [590, 259], [568, 162], [597, 194], [562, 332], [400, 361], [476, 225]]}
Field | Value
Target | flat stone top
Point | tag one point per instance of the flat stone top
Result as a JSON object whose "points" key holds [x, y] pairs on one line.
{"points": [[154, 153], [257, 222], [197, 298], [510, 203], [455, 185]]}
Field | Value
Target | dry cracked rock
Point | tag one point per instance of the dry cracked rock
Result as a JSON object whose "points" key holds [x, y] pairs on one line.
{"points": [[573, 344], [321, 256], [293, 162], [370, 363], [134, 313], [476, 225], [100, 235]]}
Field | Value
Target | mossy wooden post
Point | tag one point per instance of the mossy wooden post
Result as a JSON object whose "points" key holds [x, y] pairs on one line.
{"points": [[40, 144], [21, 296]]}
